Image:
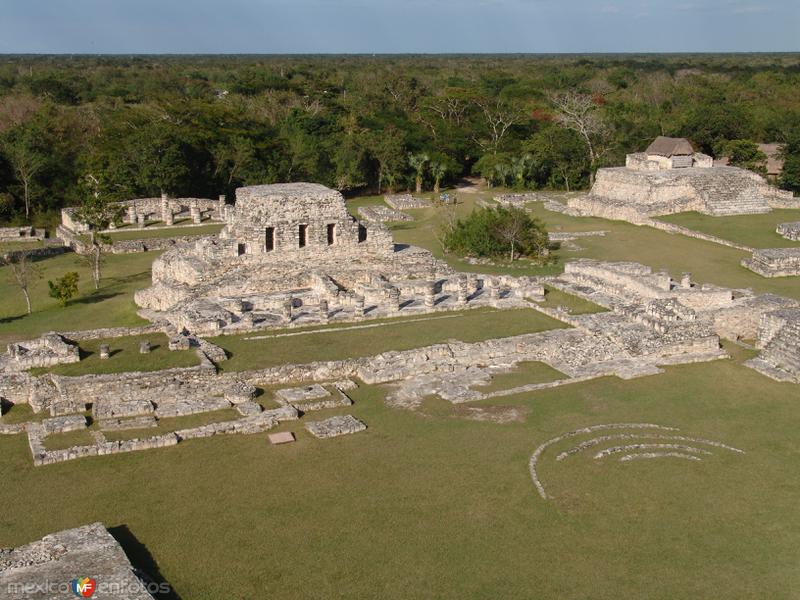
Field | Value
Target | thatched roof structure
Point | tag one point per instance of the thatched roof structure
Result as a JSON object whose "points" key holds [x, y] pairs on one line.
{"points": [[667, 146]]}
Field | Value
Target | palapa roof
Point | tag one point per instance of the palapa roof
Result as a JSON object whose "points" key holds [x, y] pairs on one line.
{"points": [[667, 146]]}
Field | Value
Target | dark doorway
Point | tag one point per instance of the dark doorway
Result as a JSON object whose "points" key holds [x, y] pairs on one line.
{"points": [[269, 239], [303, 231], [241, 249], [362, 233], [331, 234]]}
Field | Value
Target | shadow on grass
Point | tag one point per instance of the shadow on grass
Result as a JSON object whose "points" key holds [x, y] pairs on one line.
{"points": [[94, 298], [126, 278], [143, 562], [12, 319]]}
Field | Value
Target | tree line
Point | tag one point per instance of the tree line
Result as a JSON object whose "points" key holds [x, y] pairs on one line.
{"points": [[122, 127]]}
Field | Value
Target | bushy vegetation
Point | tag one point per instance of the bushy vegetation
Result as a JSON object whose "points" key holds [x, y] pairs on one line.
{"points": [[201, 126], [497, 231]]}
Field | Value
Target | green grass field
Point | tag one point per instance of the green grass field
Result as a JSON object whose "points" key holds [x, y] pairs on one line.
{"points": [[426, 507], [756, 231], [392, 334], [110, 306]]}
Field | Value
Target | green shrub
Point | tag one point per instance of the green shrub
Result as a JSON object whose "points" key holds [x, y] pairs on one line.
{"points": [[64, 288], [494, 232]]}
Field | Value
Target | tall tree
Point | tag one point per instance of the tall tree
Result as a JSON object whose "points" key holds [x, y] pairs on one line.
{"points": [[23, 271], [418, 162], [26, 160], [580, 113], [98, 213]]}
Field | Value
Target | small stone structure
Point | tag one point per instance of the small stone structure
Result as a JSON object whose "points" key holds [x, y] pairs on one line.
{"points": [[21, 234], [779, 342], [671, 178], [291, 255], [382, 214], [139, 213], [405, 201], [335, 426], [668, 153], [791, 231], [31, 572], [49, 350], [517, 200], [774, 262]]}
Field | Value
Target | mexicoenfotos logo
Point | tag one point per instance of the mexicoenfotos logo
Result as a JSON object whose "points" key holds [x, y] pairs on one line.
{"points": [[83, 587]]}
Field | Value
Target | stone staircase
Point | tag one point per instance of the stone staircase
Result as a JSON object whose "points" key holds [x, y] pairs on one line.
{"points": [[782, 352], [734, 194]]}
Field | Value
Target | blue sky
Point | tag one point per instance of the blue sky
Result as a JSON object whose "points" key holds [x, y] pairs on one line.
{"points": [[389, 26]]}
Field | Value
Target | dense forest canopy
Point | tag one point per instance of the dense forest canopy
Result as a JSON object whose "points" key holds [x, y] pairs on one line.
{"points": [[137, 126]]}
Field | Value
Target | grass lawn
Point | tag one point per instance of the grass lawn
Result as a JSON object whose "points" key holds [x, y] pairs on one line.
{"points": [[170, 424], [110, 306], [124, 356], [396, 334], [425, 507], [21, 413], [554, 298], [708, 262], [756, 231], [525, 373], [62, 441]]}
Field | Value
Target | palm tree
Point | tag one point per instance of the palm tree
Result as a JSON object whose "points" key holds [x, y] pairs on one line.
{"points": [[438, 170], [417, 162], [519, 168]]}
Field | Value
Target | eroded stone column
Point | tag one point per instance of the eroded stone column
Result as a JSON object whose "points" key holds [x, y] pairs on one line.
{"points": [[686, 280], [358, 304], [463, 292], [221, 207], [394, 300], [141, 219], [430, 295], [324, 315], [194, 212], [287, 310], [131, 216]]}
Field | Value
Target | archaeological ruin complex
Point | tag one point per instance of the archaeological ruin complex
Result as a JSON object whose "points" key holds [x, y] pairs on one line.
{"points": [[291, 254], [670, 177]]}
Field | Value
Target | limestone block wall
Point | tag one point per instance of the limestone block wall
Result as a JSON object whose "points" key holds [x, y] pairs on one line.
{"points": [[21, 234], [774, 262]]}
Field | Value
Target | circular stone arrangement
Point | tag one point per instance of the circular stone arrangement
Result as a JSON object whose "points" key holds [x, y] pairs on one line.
{"points": [[659, 445]]}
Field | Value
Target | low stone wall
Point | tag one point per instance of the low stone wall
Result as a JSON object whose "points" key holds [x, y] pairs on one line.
{"points": [[405, 201], [151, 244], [21, 234], [37, 253], [791, 231], [774, 262], [672, 228]]}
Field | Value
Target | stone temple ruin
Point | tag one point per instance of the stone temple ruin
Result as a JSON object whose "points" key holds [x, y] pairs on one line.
{"points": [[291, 254], [148, 214], [670, 177]]}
